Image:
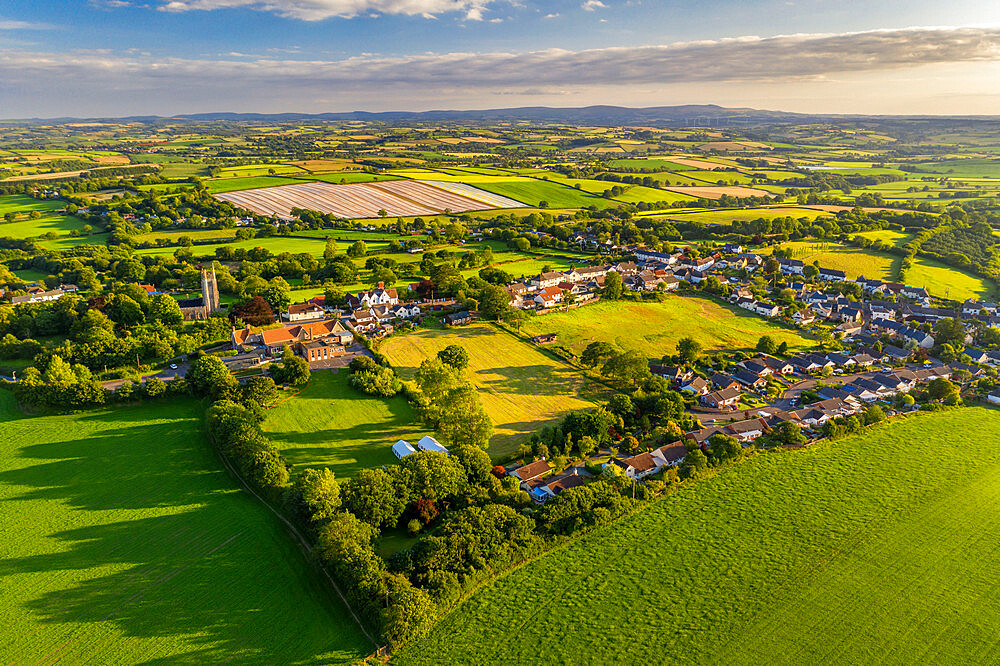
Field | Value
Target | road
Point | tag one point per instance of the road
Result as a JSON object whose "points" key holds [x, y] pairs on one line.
{"points": [[168, 374]]}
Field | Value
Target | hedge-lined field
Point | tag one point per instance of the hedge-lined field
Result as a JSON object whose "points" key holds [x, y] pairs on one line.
{"points": [[655, 328], [329, 424], [879, 548], [125, 542], [522, 387]]}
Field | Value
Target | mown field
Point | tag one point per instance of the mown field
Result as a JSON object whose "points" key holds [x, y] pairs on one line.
{"points": [[854, 261], [522, 387], [533, 192], [329, 424], [874, 549], [655, 328], [123, 541]]}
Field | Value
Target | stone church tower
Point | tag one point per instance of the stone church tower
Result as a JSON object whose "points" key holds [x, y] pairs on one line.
{"points": [[209, 291]]}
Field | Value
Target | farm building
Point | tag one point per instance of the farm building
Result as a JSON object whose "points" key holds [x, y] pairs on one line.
{"points": [[428, 443], [402, 448]]}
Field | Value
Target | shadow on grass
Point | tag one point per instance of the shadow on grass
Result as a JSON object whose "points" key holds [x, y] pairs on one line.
{"points": [[135, 527]]}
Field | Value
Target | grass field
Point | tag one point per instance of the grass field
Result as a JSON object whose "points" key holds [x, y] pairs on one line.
{"points": [[220, 185], [854, 261], [874, 549], [947, 282], [124, 542], [329, 424], [22, 203], [58, 224], [522, 387], [895, 238], [746, 214], [532, 192], [655, 328]]}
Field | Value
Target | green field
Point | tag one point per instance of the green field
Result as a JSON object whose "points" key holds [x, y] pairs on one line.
{"points": [[532, 192], [57, 224], [947, 282], [235, 184], [125, 542], [655, 328], [874, 549], [854, 261], [651, 163], [522, 387], [329, 424], [22, 203], [746, 214], [894, 238]]}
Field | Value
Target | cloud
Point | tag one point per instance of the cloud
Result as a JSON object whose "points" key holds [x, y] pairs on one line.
{"points": [[317, 10], [591, 5], [32, 78], [10, 24]]}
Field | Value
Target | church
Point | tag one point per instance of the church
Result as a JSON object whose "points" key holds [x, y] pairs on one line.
{"points": [[202, 308]]}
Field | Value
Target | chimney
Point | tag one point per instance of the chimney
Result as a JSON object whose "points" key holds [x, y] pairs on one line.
{"points": [[381, 285]]}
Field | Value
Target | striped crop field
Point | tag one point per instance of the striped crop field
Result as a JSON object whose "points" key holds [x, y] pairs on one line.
{"points": [[396, 198]]}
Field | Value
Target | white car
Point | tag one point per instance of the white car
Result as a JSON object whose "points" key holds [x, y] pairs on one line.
{"points": [[173, 366]]}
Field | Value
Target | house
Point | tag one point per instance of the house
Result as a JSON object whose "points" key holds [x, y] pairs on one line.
{"points": [[545, 339], [994, 398], [804, 317], [402, 448], [378, 296], [832, 275], [586, 274], [38, 297], [548, 297], [748, 378], [698, 386], [303, 312], [767, 309], [673, 374], [791, 266], [545, 491], [428, 443], [778, 366], [727, 397], [636, 467], [550, 279], [321, 350], [276, 338], [69, 288], [458, 318], [722, 381], [531, 472], [405, 311], [746, 431], [757, 367], [364, 320], [670, 454]]}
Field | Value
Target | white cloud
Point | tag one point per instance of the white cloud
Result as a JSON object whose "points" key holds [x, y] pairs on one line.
{"points": [[591, 5], [33, 83], [551, 16], [10, 24], [317, 10]]}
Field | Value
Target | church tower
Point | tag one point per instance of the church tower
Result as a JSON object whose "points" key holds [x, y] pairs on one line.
{"points": [[209, 291]]}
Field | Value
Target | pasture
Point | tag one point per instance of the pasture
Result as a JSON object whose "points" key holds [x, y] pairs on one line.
{"points": [[655, 328], [894, 238], [329, 424], [532, 192], [124, 541], [854, 261], [56, 224], [522, 387], [22, 203], [875, 549], [947, 282], [713, 216]]}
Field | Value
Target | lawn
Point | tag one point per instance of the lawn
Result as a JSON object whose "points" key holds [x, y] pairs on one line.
{"points": [[329, 424], [655, 328], [874, 549], [947, 282], [522, 387], [123, 541]]}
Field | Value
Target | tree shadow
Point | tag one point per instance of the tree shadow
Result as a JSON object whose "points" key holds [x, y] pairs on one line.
{"points": [[135, 546]]}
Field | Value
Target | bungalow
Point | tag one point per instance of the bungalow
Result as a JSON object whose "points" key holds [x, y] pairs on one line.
{"points": [[698, 386], [402, 448], [723, 381], [727, 397], [746, 431], [38, 297], [458, 318], [673, 374], [862, 393], [533, 471], [778, 366], [757, 367], [791, 266], [896, 353], [748, 378], [545, 491], [636, 467], [670, 454]]}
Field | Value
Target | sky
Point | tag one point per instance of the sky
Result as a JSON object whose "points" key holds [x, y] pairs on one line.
{"points": [[114, 58]]}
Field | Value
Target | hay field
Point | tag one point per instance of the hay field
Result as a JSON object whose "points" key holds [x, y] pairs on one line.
{"points": [[854, 261], [125, 542], [329, 424], [395, 197], [879, 548], [522, 387], [719, 192], [655, 328], [712, 216]]}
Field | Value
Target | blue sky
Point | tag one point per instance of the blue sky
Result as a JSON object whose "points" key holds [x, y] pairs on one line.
{"points": [[174, 56]]}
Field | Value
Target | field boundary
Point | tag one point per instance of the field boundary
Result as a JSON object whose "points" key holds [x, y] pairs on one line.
{"points": [[302, 542]]}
